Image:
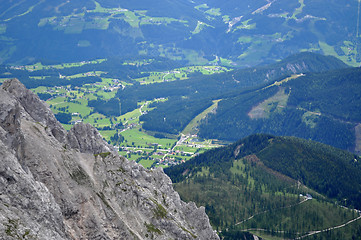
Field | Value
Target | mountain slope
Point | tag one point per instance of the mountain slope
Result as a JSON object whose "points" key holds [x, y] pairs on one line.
{"points": [[59, 185], [256, 183], [199, 90], [320, 106], [247, 33]]}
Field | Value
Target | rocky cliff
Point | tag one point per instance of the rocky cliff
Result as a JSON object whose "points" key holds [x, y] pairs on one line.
{"points": [[72, 185]]}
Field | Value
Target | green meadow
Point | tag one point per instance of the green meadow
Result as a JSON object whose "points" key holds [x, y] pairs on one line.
{"points": [[150, 149]]}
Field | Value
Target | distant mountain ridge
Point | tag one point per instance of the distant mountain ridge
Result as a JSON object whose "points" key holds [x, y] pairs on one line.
{"points": [[243, 33]]}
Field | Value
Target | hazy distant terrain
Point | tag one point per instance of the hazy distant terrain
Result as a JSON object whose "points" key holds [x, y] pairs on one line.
{"points": [[239, 33]]}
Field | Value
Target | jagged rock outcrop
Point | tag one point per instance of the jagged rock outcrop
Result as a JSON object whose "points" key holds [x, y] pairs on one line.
{"points": [[71, 185]]}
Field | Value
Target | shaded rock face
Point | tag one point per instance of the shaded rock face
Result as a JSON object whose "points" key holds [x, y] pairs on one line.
{"points": [[71, 185]]}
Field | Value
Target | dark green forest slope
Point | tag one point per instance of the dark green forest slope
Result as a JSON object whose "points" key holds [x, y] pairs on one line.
{"points": [[263, 176], [199, 90], [321, 106]]}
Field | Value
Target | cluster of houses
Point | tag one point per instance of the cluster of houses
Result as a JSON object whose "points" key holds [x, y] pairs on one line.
{"points": [[160, 157], [214, 69], [170, 161], [17, 67]]}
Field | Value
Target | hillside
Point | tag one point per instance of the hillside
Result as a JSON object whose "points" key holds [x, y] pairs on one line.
{"points": [[72, 185], [128, 96], [324, 107], [187, 98], [230, 33], [256, 183], [84, 91]]}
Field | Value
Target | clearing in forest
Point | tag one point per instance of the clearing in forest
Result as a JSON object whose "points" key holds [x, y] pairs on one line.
{"points": [[272, 104], [191, 127]]}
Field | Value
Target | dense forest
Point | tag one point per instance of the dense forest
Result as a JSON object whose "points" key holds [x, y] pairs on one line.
{"points": [[313, 106], [178, 114], [64, 118], [107, 108], [203, 89], [336, 93], [263, 176], [329, 171]]}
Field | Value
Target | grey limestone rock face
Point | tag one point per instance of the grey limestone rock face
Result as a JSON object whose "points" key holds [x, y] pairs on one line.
{"points": [[33, 106], [71, 185], [86, 138]]}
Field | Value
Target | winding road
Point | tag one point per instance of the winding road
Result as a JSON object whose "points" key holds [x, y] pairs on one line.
{"points": [[329, 229]]}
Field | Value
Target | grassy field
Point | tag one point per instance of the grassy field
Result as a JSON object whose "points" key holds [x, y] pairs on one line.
{"points": [[146, 163], [214, 12], [256, 51], [2, 28], [138, 145], [349, 50], [200, 26], [245, 25], [76, 23], [30, 9], [135, 137], [298, 10], [143, 147], [202, 6], [73, 108], [191, 127], [275, 103]]}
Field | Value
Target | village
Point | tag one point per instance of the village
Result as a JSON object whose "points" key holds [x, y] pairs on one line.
{"points": [[124, 132], [182, 150]]}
